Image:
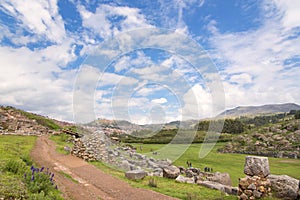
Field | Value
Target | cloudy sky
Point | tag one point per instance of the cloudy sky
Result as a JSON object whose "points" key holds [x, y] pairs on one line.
{"points": [[52, 57]]}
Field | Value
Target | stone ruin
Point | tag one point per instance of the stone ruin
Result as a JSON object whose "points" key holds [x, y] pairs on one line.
{"points": [[13, 122], [258, 182], [98, 147]]}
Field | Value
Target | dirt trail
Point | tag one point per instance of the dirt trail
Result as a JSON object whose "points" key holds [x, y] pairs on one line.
{"points": [[91, 183]]}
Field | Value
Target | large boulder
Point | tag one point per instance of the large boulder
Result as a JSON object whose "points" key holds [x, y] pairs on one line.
{"points": [[223, 178], [257, 166], [135, 174], [182, 179], [285, 187], [171, 172]]}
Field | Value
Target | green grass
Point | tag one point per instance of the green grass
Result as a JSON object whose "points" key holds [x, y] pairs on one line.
{"points": [[61, 142], [231, 163], [168, 186], [41, 120], [15, 146], [68, 177]]}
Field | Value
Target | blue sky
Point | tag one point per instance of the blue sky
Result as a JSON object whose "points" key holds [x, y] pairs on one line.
{"points": [[47, 47]]}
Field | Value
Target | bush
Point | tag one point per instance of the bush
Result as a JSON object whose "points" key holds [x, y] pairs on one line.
{"points": [[152, 182], [26, 159], [15, 166], [12, 188], [39, 180], [297, 114], [190, 196]]}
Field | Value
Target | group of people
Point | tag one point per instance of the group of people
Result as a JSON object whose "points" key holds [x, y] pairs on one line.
{"points": [[189, 164], [206, 169]]}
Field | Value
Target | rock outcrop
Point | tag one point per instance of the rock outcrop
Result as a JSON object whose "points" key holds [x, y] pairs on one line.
{"points": [[284, 187]]}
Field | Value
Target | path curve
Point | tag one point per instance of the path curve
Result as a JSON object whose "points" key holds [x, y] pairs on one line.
{"points": [[91, 183]]}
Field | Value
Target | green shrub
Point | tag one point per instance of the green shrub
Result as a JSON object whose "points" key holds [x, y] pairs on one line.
{"points": [[15, 166], [43, 196], [152, 182], [191, 196], [26, 159], [38, 182], [12, 187]]}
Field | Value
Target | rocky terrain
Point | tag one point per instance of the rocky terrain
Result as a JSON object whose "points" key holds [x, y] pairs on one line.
{"points": [[278, 140], [13, 121]]}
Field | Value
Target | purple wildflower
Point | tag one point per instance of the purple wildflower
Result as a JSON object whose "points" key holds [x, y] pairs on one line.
{"points": [[25, 175], [32, 178], [32, 167], [52, 175], [42, 169]]}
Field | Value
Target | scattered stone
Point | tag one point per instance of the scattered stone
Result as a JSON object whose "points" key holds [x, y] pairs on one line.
{"points": [[135, 174]]}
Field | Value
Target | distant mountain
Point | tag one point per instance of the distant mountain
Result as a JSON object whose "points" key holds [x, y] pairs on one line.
{"points": [[257, 110]]}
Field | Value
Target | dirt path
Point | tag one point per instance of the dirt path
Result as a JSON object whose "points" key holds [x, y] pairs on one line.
{"points": [[91, 183]]}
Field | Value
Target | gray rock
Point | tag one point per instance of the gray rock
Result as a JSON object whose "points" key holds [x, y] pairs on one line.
{"points": [[251, 186], [67, 149], [212, 185], [257, 194], [171, 172], [125, 165], [189, 173], [135, 174], [257, 166], [284, 186], [223, 178], [183, 179]]}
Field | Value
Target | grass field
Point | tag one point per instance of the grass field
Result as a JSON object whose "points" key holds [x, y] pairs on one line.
{"points": [[231, 163]]}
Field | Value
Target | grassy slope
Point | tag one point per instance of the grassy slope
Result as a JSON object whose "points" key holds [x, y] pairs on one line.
{"points": [[61, 142], [231, 163], [16, 148]]}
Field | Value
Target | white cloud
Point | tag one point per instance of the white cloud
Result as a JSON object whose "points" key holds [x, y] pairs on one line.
{"points": [[101, 23], [241, 79], [159, 101], [39, 17], [290, 12], [253, 62], [33, 82], [197, 103]]}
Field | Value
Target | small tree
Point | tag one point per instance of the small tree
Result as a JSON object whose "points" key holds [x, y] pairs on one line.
{"points": [[297, 114]]}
